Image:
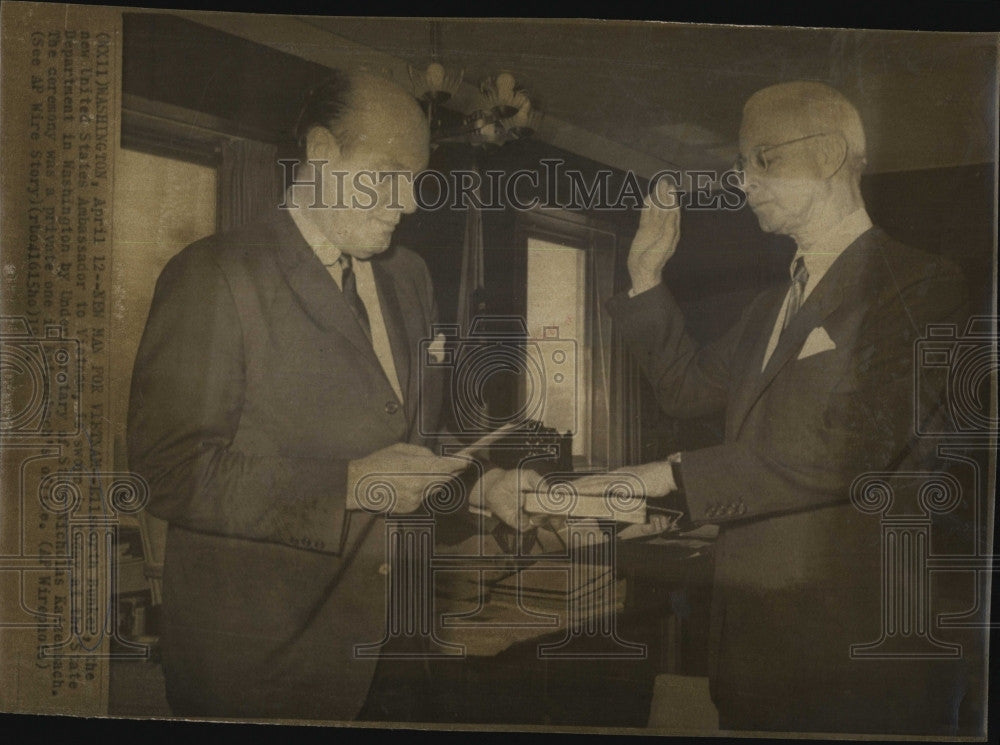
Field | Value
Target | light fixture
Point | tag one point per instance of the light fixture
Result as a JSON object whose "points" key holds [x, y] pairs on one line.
{"points": [[434, 85], [504, 111]]}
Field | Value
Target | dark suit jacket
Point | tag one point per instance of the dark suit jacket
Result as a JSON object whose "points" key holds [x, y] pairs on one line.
{"points": [[798, 577], [253, 387]]}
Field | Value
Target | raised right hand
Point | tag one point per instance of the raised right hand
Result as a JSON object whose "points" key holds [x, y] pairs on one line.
{"points": [[656, 239]]}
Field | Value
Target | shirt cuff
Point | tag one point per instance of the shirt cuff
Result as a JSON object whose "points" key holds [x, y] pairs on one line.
{"points": [[632, 292], [680, 499]]}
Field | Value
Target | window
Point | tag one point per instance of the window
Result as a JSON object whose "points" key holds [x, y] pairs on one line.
{"points": [[556, 317], [165, 197], [569, 277], [174, 183], [161, 205]]}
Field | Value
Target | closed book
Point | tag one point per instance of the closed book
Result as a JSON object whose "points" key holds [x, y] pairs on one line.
{"points": [[620, 508]]}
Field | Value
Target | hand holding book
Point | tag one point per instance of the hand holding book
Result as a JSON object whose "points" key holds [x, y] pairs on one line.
{"points": [[655, 479], [622, 495]]}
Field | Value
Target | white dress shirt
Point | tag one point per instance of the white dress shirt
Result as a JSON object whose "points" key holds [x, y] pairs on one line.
{"points": [[818, 259], [367, 291]]}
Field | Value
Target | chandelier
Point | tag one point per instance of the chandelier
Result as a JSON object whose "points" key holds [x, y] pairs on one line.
{"points": [[503, 112]]}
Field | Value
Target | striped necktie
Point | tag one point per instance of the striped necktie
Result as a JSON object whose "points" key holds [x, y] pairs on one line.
{"points": [[800, 276], [349, 286]]}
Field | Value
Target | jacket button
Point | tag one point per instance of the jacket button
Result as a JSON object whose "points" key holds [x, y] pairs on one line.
{"points": [[391, 407]]}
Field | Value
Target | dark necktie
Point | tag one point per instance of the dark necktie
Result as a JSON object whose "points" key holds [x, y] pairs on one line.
{"points": [[349, 286], [800, 276]]}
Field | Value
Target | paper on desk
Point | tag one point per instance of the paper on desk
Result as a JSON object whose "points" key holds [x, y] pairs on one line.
{"points": [[470, 450], [626, 533]]}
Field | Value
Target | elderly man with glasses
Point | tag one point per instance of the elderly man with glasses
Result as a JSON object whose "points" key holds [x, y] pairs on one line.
{"points": [[816, 381]]}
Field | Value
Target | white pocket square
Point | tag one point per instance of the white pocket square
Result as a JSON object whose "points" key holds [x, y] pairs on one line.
{"points": [[436, 350], [818, 341]]}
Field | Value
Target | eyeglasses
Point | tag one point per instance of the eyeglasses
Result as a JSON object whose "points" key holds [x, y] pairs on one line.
{"points": [[758, 156]]}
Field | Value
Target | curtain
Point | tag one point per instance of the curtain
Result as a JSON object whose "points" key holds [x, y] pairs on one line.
{"points": [[249, 186], [470, 295]]}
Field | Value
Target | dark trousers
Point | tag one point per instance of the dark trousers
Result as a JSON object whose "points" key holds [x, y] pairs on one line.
{"points": [[402, 690]]}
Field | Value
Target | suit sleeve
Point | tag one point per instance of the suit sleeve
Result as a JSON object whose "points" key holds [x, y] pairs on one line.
{"points": [[688, 381], [185, 406], [862, 421]]}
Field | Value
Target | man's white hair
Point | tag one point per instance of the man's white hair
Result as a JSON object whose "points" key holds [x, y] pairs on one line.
{"points": [[816, 107]]}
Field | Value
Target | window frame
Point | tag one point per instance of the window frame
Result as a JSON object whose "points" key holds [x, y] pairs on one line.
{"points": [[612, 396]]}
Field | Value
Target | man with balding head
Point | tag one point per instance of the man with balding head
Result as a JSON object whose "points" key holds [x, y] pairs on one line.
{"points": [[278, 368], [816, 381]]}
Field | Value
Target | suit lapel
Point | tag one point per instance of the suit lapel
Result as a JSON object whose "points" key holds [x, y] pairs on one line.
{"points": [[751, 354], [395, 326], [314, 287], [825, 298]]}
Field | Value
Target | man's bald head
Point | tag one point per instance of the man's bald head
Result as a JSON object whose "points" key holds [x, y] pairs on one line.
{"points": [[346, 102], [804, 108]]}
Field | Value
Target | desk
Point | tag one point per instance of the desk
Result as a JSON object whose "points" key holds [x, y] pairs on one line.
{"points": [[503, 678], [486, 624]]}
